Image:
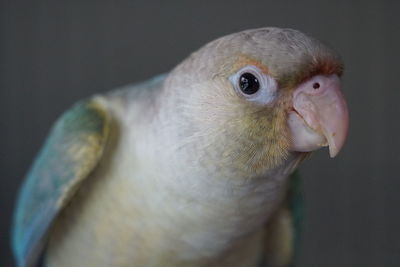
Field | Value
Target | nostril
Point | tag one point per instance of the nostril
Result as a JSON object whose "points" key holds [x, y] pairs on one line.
{"points": [[316, 85]]}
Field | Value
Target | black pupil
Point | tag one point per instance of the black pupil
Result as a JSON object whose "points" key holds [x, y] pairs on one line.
{"points": [[249, 83]]}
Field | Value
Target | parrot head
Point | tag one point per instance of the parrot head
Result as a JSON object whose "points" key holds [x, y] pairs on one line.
{"points": [[256, 97]]}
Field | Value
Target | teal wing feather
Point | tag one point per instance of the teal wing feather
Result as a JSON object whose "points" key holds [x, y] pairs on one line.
{"points": [[284, 229], [72, 150]]}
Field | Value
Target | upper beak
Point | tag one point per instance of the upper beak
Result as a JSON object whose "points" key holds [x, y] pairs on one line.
{"points": [[320, 116]]}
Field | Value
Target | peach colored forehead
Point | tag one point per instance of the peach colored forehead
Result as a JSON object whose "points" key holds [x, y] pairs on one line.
{"points": [[244, 60]]}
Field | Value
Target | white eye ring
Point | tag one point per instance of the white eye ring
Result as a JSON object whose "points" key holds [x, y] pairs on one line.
{"points": [[268, 87]]}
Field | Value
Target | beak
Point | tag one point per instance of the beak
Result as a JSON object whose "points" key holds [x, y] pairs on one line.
{"points": [[320, 116]]}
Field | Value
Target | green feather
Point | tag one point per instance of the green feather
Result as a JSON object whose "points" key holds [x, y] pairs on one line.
{"points": [[70, 153]]}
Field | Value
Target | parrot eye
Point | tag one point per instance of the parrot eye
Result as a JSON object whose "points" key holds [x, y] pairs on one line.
{"points": [[253, 85], [248, 83]]}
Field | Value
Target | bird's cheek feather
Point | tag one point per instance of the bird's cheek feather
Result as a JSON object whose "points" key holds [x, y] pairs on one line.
{"points": [[319, 116]]}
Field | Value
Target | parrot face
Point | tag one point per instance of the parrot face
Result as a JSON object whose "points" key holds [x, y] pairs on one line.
{"points": [[261, 96]]}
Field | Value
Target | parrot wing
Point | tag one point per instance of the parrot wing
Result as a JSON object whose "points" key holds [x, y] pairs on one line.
{"points": [[71, 152], [284, 230]]}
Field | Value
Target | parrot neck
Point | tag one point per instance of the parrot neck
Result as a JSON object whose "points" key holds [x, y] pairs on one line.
{"points": [[207, 204], [192, 204], [209, 209]]}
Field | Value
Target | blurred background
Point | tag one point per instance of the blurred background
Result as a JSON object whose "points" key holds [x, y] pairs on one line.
{"points": [[53, 53]]}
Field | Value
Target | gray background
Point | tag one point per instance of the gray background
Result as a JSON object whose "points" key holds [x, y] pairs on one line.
{"points": [[53, 53]]}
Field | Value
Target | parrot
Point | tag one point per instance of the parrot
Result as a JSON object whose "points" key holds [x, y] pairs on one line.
{"points": [[196, 167]]}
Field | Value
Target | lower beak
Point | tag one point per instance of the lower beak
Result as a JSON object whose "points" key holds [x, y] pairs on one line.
{"points": [[320, 116]]}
